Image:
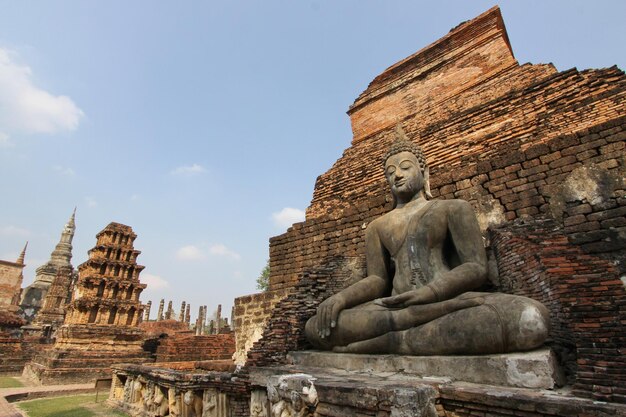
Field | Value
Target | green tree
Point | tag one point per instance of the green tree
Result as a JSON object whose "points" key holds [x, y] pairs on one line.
{"points": [[263, 281]]}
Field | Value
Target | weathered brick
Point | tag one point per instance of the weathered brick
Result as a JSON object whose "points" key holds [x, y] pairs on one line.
{"points": [[466, 171], [546, 159], [579, 209], [503, 179], [534, 170], [512, 168], [536, 177], [562, 162], [510, 159], [527, 202], [591, 236], [495, 188], [509, 198], [483, 167], [528, 193], [524, 187], [574, 220], [619, 137], [527, 211], [614, 222], [496, 173], [564, 142], [586, 154], [463, 184], [607, 214], [531, 163], [516, 182], [537, 150], [608, 164], [583, 227], [604, 205], [450, 188], [479, 179]]}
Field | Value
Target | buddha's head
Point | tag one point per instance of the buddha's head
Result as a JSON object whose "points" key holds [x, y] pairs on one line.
{"points": [[406, 169]]}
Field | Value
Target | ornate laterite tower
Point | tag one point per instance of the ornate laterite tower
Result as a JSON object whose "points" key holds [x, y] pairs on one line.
{"points": [[108, 287], [101, 323]]}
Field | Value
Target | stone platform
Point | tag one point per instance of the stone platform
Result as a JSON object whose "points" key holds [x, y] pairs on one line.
{"points": [[537, 369], [333, 392]]}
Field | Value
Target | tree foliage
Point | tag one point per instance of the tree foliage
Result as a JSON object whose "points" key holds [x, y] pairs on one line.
{"points": [[263, 281]]}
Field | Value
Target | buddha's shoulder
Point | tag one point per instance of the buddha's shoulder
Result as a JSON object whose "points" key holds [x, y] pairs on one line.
{"points": [[378, 222], [452, 205]]}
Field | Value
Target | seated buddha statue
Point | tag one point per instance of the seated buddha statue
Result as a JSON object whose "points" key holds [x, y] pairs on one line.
{"points": [[425, 259]]}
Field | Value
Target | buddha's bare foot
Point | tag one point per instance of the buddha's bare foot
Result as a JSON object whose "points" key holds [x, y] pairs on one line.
{"points": [[341, 349], [380, 344]]}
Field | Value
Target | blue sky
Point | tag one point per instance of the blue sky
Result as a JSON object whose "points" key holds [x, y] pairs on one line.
{"points": [[199, 123]]}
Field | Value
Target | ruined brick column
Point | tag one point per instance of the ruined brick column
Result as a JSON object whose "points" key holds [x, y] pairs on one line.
{"points": [[160, 313], [181, 315], [199, 321], [146, 316], [218, 319]]}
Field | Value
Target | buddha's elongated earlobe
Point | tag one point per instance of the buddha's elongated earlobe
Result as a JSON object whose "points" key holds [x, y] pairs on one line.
{"points": [[427, 182]]}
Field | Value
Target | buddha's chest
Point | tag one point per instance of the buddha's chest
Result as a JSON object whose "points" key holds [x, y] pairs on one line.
{"points": [[424, 230]]}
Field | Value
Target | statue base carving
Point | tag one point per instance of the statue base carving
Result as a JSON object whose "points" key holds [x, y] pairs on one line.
{"points": [[537, 369]]}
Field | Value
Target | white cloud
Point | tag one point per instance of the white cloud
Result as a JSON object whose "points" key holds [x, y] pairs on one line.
{"points": [[154, 282], [188, 170], [135, 197], [27, 108], [91, 202], [190, 253], [5, 142], [221, 250], [14, 231], [64, 170], [288, 216]]}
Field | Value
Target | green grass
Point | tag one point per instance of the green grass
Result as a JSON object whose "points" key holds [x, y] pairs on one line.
{"points": [[10, 382], [73, 406]]}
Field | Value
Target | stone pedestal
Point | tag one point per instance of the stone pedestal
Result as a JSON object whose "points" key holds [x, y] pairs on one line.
{"points": [[536, 369], [338, 385]]}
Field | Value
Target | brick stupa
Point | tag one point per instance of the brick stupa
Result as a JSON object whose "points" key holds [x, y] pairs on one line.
{"points": [[33, 296], [101, 323]]}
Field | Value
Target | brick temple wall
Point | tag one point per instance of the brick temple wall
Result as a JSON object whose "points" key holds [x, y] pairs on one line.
{"points": [[10, 285], [189, 347], [518, 142], [585, 296], [16, 352], [156, 328], [251, 314]]}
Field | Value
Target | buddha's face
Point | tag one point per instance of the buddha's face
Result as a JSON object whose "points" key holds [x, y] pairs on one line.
{"points": [[404, 176]]}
